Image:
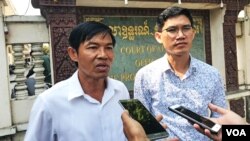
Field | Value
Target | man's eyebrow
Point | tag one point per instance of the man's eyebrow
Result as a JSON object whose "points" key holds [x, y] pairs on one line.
{"points": [[172, 26], [91, 42], [96, 43], [181, 25]]}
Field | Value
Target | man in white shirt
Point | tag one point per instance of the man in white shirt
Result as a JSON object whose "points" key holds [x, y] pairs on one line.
{"points": [[84, 107]]}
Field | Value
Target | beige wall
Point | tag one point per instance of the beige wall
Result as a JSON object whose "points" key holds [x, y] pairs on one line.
{"points": [[5, 115], [217, 43], [243, 49], [14, 113], [21, 27]]}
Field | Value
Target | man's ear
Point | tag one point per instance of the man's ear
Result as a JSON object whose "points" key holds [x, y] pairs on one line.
{"points": [[72, 54], [158, 37], [194, 33]]}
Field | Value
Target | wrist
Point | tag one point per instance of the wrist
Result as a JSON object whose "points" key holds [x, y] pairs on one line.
{"points": [[140, 139]]}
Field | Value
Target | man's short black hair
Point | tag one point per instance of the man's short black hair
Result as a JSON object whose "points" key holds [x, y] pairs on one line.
{"points": [[173, 12], [85, 31]]}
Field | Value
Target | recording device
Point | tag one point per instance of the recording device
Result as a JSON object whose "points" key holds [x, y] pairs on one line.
{"points": [[139, 112], [195, 118]]}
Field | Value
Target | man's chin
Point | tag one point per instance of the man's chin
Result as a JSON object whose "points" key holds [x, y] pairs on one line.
{"points": [[102, 75]]}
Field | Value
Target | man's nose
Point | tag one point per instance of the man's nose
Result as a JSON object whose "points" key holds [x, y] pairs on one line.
{"points": [[180, 33], [102, 53]]}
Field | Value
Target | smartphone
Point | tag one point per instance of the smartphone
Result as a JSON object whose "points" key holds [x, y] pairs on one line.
{"points": [[139, 112], [196, 118]]}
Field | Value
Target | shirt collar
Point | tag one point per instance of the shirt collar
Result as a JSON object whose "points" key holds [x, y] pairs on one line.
{"points": [[165, 66], [193, 65], [164, 63], [77, 90]]}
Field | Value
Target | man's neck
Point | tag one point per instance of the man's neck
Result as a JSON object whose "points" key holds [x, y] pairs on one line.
{"points": [[94, 88], [179, 64]]}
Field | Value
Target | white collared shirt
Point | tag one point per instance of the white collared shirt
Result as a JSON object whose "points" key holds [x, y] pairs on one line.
{"points": [[65, 113]]}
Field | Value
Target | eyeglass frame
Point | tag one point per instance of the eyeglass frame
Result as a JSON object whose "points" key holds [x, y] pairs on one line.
{"points": [[174, 30]]}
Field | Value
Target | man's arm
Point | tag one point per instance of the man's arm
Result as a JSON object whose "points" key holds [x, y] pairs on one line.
{"points": [[40, 123]]}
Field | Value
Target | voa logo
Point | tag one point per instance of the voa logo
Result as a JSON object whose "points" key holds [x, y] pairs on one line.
{"points": [[236, 132]]}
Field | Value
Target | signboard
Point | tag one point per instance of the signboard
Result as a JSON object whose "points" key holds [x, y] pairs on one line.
{"points": [[136, 45]]}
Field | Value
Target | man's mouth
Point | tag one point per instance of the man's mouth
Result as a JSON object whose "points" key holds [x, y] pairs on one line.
{"points": [[102, 67], [180, 44]]}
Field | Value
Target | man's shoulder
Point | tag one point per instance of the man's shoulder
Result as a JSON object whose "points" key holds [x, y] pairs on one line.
{"points": [[201, 63], [153, 65], [204, 67], [58, 90], [115, 82], [118, 86]]}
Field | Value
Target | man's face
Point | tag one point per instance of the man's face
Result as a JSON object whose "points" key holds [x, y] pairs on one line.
{"points": [[95, 57], [176, 36]]}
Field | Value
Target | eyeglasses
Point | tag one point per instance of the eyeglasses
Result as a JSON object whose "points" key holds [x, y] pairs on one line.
{"points": [[174, 31]]}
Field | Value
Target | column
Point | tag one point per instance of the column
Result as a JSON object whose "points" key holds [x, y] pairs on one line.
{"points": [[217, 44], [21, 88], [38, 69], [247, 41]]}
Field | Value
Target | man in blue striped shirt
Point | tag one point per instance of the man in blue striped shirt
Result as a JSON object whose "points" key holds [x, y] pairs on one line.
{"points": [[179, 78]]}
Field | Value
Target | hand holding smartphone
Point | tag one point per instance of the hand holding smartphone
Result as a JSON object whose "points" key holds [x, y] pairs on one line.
{"points": [[139, 112], [195, 118]]}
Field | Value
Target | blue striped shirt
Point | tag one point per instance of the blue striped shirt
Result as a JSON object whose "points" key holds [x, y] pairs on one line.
{"points": [[157, 87]]}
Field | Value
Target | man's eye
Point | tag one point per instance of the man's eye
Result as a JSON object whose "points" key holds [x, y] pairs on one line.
{"points": [[171, 30], [187, 28], [110, 47], [92, 47]]}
